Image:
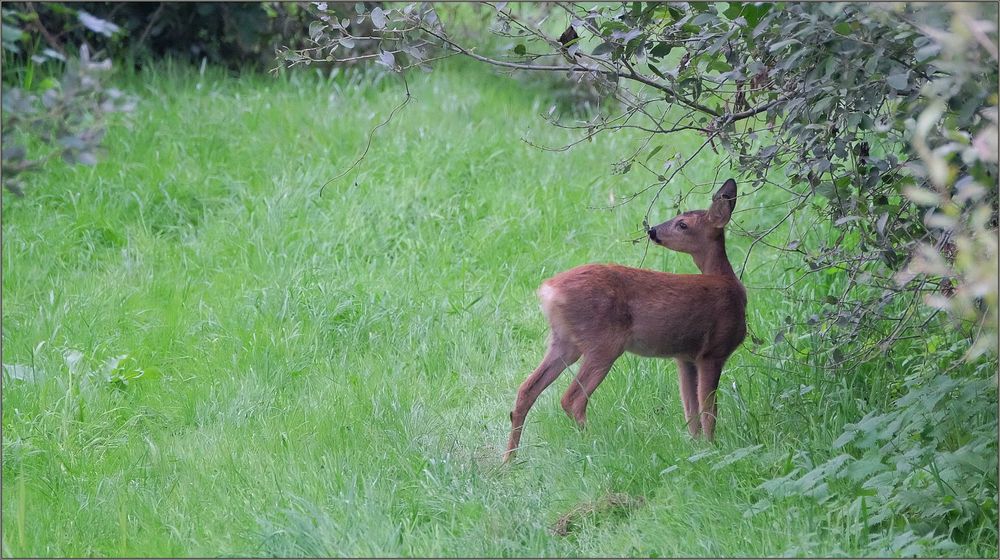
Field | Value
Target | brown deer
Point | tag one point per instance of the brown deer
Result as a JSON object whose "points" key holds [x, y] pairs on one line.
{"points": [[600, 311]]}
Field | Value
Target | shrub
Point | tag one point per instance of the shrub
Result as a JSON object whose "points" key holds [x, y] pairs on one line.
{"points": [[238, 35], [58, 115]]}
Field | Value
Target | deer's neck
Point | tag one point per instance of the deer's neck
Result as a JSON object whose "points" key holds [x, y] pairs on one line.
{"points": [[715, 261]]}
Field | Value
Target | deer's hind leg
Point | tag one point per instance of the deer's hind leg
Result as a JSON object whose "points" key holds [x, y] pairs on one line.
{"points": [[560, 355], [596, 365]]}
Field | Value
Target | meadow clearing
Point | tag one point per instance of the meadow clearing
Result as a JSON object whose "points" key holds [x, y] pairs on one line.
{"points": [[223, 361]]}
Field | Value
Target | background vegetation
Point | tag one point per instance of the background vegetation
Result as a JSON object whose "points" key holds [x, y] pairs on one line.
{"points": [[203, 356]]}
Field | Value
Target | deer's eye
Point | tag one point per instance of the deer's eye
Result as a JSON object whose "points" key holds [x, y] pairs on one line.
{"points": [[682, 225]]}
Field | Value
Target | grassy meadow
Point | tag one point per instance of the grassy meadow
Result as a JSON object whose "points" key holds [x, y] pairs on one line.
{"points": [[224, 362]]}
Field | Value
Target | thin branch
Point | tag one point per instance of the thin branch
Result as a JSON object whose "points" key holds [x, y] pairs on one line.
{"points": [[149, 26], [757, 110], [504, 63], [635, 76], [632, 75], [758, 238], [371, 134], [49, 38], [664, 184]]}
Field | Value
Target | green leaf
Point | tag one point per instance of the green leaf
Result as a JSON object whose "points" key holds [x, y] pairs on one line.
{"points": [[782, 44], [754, 12], [520, 49], [852, 120], [49, 82], [929, 51], [900, 80], [762, 505], [656, 70], [378, 18], [922, 196], [843, 440], [735, 456], [699, 456], [734, 10], [653, 152], [660, 50], [603, 48], [823, 104], [612, 25], [827, 190], [864, 468], [719, 65]]}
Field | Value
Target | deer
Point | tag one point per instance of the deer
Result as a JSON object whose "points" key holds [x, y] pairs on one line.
{"points": [[600, 311]]}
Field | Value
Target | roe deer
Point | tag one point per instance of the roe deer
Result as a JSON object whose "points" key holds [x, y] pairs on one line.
{"points": [[601, 311]]}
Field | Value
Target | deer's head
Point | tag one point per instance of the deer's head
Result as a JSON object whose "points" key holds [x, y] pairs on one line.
{"points": [[692, 232]]}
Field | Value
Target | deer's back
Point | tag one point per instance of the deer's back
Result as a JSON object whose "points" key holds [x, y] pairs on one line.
{"points": [[647, 312]]}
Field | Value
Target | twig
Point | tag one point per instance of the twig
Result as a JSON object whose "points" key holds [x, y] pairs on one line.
{"points": [[49, 38], [664, 184], [371, 134], [791, 212], [149, 26]]}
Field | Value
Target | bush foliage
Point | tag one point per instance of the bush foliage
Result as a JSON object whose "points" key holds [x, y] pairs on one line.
{"points": [[238, 35], [55, 103]]}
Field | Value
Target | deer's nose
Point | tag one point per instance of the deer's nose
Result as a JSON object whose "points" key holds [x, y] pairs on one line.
{"points": [[652, 235]]}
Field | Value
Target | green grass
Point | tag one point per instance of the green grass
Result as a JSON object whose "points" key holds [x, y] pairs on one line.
{"points": [[332, 375]]}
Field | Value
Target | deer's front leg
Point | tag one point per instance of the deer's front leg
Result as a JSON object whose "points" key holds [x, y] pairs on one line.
{"points": [[687, 379]]}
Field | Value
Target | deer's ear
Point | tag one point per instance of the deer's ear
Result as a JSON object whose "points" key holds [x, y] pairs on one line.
{"points": [[723, 203]]}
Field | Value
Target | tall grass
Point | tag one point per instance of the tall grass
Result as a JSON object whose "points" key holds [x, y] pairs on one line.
{"points": [[331, 375]]}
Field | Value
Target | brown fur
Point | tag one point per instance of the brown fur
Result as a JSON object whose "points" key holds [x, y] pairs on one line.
{"points": [[599, 311]]}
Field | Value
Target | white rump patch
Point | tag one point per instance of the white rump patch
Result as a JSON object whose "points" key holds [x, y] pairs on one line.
{"points": [[546, 293]]}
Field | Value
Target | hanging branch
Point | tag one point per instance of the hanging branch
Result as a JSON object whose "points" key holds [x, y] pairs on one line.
{"points": [[371, 135]]}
